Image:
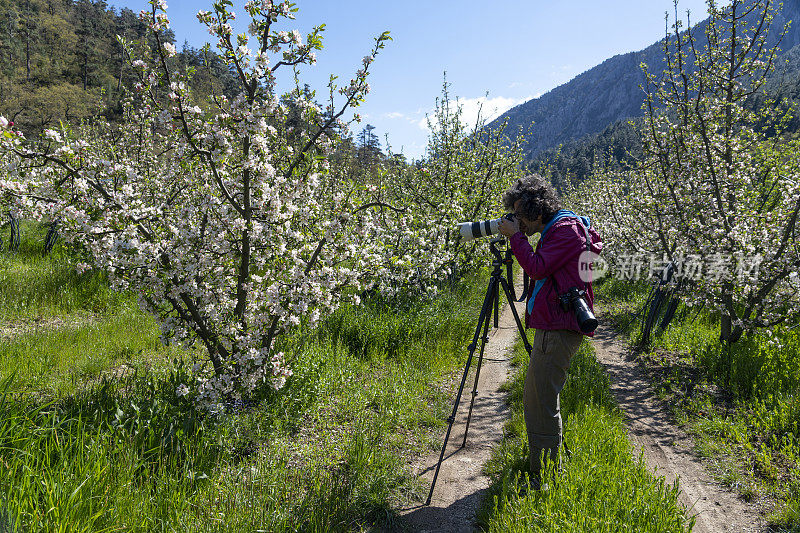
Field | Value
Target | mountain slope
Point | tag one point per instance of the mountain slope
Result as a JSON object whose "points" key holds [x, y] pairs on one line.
{"points": [[619, 144], [607, 93]]}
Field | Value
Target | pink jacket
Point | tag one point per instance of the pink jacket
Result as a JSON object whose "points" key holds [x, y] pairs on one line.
{"points": [[556, 259]]}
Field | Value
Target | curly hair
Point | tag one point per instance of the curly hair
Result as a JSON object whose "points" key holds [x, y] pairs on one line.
{"points": [[538, 198]]}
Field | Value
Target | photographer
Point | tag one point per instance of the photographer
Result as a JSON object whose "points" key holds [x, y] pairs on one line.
{"points": [[554, 266]]}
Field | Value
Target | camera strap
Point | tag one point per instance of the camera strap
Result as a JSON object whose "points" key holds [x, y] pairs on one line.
{"points": [[526, 282], [510, 277]]}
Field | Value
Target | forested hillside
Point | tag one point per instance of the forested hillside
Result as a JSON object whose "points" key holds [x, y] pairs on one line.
{"points": [[619, 144], [60, 60], [609, 92]]}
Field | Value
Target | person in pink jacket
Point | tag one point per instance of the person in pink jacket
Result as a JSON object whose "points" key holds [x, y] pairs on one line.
{"points": [[555, 268]]}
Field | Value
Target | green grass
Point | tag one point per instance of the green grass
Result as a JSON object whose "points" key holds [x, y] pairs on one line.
{"points": [[99, 459], [33, 285], [60, 330], [743, 408], [86, 449], [602, 487], [63, 359]]}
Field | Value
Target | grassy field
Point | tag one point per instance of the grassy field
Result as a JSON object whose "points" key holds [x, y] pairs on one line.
{"points": [[743, 409], [94, 438], [603, 487]]}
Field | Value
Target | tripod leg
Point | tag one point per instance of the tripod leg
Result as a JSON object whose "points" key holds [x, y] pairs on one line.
{"points": [[511, 300], [497, 307], [478, 368], [520, 326], [486, 310]]}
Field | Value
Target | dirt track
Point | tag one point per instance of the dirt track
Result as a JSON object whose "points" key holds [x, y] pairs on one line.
{"points": [[666, 447], [461, 483]]}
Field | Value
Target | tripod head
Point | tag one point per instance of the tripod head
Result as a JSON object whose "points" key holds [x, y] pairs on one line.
{"points": [[506, 257], [502, 257], [494, 243]]}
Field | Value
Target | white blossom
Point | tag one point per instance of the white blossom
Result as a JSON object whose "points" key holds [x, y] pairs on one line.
{"points": [[169, 48]]}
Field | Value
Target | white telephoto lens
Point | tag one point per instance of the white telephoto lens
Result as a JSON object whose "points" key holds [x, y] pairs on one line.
{"points": [[476, 230]]}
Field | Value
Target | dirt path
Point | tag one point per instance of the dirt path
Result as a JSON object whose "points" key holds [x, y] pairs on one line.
{"points": [[461, 484], [666, 447], [11, 329]]}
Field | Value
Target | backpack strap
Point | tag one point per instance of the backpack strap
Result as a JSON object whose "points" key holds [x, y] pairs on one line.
{"points": [[539, 285]]}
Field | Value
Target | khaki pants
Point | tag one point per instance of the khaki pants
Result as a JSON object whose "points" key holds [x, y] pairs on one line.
{"points": [[547, 373]]}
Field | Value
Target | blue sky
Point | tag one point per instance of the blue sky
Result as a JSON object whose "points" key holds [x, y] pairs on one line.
{"points": [[514, 50]]}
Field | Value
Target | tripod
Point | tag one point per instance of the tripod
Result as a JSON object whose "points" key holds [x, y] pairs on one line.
{"points": [[491, 302]]}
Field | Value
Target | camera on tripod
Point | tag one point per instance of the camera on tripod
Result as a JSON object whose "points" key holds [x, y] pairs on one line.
{"points": [[498, 284], [575, 300]]}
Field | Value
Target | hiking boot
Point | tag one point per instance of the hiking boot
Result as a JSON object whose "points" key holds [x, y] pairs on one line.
{"points": [[534, 484], [529, 484], [541, 457]]}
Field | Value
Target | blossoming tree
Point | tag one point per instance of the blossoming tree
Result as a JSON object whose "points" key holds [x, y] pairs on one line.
{"points": [[719, 186], [219, 213], [465, 169]]}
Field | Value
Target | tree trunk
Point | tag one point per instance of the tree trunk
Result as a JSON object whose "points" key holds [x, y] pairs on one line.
{"points": [[27, 56], [728, 332], [725, 327]]}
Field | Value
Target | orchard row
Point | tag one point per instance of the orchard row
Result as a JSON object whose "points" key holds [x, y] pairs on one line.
{"points": [[238, 220]]}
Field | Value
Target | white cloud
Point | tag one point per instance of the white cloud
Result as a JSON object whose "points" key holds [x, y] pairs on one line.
{"points": [[394, 114], [488, 108]]}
